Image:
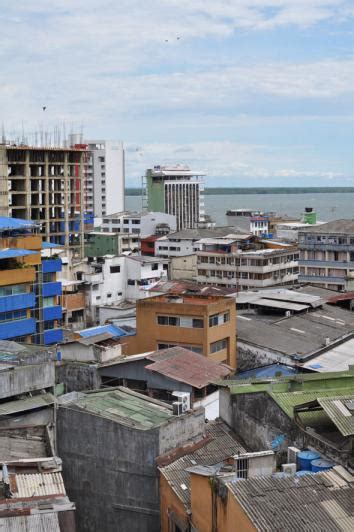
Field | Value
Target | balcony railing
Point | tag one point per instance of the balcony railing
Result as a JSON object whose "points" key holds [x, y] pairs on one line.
{"points": [[326, 263], [321, 279]]}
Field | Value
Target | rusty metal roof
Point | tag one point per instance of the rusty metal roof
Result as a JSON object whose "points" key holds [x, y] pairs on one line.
{"points": [[186, 366]]}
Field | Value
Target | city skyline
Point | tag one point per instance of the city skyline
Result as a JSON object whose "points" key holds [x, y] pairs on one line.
{"points": [[252, 92]]}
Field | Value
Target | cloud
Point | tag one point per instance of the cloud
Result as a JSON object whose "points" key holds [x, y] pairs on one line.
{"points": [[231, 162]]}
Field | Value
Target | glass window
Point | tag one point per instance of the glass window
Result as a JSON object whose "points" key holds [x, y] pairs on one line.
{"points": [[218, 346], [213, 320], [131, 282], [48, 301], [198, 323], [114, 269]]}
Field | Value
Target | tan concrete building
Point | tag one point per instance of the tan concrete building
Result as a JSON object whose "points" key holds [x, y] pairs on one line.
{"points": [[45, 185], [203, 324]]}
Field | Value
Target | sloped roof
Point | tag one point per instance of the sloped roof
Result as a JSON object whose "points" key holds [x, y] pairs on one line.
{"points": [[10, 224], [218, 445], [13, 253], [186, 366], [344, 226], [311, 502], [123, 406], [337, 410]]}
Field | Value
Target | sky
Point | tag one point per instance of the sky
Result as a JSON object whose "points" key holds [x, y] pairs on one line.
{"points": [[251, 92]]}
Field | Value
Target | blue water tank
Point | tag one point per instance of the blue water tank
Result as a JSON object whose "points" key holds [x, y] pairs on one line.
{"points": [[305, 458], [321, 465]]}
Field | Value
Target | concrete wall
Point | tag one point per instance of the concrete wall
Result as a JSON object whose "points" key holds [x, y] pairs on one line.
{"points": [[257, 418], [89, 353], [78, 377], [251, 356], [183, 267], [181, 429], [22, 379], [109, 469]]}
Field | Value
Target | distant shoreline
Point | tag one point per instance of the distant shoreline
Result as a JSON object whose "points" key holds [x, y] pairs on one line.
{"points": [[212, 191]]}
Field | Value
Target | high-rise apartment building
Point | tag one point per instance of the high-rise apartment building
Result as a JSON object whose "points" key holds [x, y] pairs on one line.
{"points": [[105, 178], [30, 308], [327, 255], [45, 185], [176, 190]]}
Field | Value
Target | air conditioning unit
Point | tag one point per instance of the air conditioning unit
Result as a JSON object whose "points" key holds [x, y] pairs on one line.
{"points": [[177, 408], [184, 398], [290, 469], [292, 455]]}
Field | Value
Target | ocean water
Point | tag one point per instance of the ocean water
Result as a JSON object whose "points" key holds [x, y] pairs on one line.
{"points": [[329, 206]]}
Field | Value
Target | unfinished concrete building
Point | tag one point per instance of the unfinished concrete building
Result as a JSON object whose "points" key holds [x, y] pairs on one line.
{"points": [[45, 185]]}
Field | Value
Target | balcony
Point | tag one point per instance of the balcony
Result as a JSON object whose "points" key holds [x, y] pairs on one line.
{"points": [[17, 276], [51, 265], [52, 289], [13, 329], [320, 246], [73, 301], [52, 313], [52, 336], [17, 302], [321, 279], [326, 263]]}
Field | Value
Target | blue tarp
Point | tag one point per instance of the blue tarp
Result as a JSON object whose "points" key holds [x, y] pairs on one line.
{"points": [[11, 224], [267, 371], [11, 253], [101, 329], [50, 245]]}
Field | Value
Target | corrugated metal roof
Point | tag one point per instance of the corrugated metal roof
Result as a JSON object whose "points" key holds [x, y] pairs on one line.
{"points": [[12, 407], [310, 503], [219, 446], [40, 522], [113, 331], [337, 359], [186, 366], [8, 224], [337, 411], [35, 485], [286, 305], [11, 253], [124, 406]]}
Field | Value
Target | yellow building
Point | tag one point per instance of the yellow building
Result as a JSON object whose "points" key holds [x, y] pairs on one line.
{"points": [[203, 324]]}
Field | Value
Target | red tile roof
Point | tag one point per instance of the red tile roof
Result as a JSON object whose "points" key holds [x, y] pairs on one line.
{"points": [[186, 366]]}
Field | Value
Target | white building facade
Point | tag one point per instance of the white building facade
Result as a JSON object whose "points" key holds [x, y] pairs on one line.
{"points": [[105, 177], [112, 280], [141, 223]]}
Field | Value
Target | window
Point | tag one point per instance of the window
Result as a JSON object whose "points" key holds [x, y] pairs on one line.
{"points": [[126, 221], [213, 320], [95, 287], [101, 159], [48, 302], [197, 323], [218, 346], [154, 266], [131, 282], [48, 277], [194, 348], [13, 315], [12, 290], [98, 298], [114, 269], [135, 222], [48, 325], [173, 321], [109, 295], [119, 293]]}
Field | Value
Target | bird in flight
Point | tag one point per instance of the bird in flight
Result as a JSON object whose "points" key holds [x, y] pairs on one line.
{"points": [[44, 107]]}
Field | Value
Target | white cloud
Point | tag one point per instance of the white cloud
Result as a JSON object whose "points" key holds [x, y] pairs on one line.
{"points": [[229, 161]]}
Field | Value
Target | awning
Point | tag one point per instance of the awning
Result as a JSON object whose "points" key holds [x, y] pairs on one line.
{"points": [[11, 253]]}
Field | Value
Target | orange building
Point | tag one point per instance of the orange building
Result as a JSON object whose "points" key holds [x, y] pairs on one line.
{"points": [[203, 324]]}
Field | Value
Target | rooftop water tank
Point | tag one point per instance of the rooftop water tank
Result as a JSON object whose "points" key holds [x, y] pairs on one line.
{"points": [[305, 458], [310, 216], [321, 465]]}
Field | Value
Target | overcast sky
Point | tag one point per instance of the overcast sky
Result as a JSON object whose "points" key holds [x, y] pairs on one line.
{"points": [[252, 92]]}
